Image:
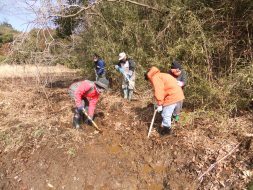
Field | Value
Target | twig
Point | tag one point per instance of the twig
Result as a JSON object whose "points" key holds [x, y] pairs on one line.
{"points": [[82, 9], [136, 3], [214, 164]]}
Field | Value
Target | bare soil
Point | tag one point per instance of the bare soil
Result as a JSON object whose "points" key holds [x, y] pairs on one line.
{"points": [[39, 149]]}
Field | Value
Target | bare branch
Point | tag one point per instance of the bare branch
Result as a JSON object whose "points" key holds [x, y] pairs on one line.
{"points": [[214, 164], [82, 9], [136, 3]]}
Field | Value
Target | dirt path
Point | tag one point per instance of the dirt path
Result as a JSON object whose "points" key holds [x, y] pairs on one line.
{"points": [[40, 150]]}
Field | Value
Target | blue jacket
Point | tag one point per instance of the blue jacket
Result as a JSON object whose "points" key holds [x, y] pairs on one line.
{"points": [[100, 67]]}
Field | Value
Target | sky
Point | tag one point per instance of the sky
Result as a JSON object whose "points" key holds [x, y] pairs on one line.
{"points": [[17, 13], [21, 15]]}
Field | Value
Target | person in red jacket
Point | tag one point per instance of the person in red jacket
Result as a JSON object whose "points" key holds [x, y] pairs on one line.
{"points": [[167, 94], [86, 94]]}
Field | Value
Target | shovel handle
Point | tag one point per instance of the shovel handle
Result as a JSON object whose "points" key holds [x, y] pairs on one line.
{"points": [[152, 122], [94, 124], [130, 82]]}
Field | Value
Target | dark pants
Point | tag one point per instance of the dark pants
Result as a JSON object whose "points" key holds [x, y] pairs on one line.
{"points": [[79, 116], [178, 108], [100, 76]]}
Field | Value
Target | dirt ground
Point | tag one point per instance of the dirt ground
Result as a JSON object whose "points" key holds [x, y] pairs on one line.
{"points": [[39, 149]]}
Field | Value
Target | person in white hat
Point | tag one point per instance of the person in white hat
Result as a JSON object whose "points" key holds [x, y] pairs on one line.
{"points": [[127, 67]]}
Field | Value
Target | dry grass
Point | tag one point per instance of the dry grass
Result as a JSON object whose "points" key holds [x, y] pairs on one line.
{"points": [[7, 71], [34, 119]]}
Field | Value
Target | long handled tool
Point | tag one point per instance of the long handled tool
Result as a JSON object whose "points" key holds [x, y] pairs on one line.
{"points": [[152, 123], [94, 124], [130, 82], [96, 74]]}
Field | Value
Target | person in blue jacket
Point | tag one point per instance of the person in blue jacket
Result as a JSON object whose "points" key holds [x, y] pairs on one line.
{"points": [[99, 67]]}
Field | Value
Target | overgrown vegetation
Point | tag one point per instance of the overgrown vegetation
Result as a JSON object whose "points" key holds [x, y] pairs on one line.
{"points": [[7, 32], [212, 39], [208, 148]]}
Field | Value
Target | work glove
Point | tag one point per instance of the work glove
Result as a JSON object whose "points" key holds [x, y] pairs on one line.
{"points": [[80, 109], [116, 67], [119, 68], [156, 106], [88, 122], [159, 108], [180, 83], [129, 76]]}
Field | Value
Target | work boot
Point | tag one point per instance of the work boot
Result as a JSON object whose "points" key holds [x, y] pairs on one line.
{"points": [[76, 124], [177, 118], [130, 95], [125, 91], [166, 131], [76, 121]]}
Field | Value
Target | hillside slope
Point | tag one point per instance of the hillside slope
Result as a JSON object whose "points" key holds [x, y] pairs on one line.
{"points": [[39, 149]]}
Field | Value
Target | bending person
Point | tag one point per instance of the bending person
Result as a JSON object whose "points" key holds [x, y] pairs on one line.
{"points": [[167, 94], [86, 95]]}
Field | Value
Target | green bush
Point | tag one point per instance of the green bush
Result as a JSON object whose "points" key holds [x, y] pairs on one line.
{"points": [[2, 58], [6, 33], [240, 87], [217, 55], [6, 38]]}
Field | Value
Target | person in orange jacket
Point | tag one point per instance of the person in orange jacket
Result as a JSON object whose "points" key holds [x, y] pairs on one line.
{"points": [[167, 94]]}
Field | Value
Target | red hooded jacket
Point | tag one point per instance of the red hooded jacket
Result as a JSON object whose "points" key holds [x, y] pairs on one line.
{"points": [[86, 89]]}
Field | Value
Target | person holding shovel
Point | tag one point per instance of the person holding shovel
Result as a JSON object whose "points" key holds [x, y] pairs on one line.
{"points": [[127, 68], [86, 94], [180, 74], [167, 94]]}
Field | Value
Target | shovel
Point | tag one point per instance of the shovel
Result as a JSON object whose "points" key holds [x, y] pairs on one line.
{"points": [[96, 74], [152, 123], [130, 82], [94, 124]]}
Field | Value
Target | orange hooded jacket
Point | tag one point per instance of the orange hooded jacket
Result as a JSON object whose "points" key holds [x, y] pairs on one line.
{"points": [[167, 91]]}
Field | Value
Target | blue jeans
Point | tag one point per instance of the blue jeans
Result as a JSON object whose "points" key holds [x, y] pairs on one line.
{"points": [[166, 114]]}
